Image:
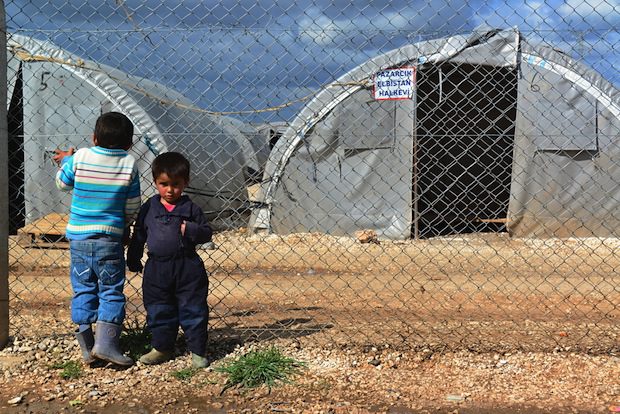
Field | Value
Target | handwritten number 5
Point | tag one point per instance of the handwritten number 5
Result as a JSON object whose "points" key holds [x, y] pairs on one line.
{"points": [[43, 83]]}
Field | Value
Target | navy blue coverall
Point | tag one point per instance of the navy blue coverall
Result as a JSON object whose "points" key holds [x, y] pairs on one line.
{"points": [[174, 283]]}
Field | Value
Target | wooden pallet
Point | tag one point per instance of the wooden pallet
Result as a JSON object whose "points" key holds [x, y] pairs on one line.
{"points": [[492, 220], [48, 231]]}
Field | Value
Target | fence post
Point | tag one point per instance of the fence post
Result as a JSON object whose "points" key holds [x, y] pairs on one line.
{"points": [[4, 192]]}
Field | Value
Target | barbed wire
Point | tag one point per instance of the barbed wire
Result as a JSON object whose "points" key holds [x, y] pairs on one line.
{"points": [[169, 29], [81, 64]]}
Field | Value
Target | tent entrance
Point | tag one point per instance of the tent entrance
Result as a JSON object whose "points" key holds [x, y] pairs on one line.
{"points": [[465, 117], [15, 122]]}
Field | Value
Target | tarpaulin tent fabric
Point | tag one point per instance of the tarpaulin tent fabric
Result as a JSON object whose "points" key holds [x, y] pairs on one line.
{"points": [[500, 129], [62, 96]]}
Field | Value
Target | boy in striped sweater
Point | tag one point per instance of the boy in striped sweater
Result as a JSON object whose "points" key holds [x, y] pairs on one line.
{"points": [[106, 198]]}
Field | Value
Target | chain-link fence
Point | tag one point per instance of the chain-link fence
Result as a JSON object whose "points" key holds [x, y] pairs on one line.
{"points": [[436, 174]]}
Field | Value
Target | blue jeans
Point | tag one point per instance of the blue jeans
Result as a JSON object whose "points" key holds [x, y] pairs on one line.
{"points": [[97, 278]]}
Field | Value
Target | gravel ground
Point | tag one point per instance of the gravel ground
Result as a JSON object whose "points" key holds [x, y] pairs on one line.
{"points": [[337, 379]]}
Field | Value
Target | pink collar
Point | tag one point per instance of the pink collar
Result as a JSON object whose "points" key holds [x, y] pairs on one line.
{"points": [[167, 205]]}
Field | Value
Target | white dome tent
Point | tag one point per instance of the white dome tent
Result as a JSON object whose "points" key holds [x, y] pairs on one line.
{"points": [[55, 98], [501, 134]]}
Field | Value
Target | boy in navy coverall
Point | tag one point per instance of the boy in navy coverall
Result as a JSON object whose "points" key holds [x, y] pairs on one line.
{"points": [[174, 283]]}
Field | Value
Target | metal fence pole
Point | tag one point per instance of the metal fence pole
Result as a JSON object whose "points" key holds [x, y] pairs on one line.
{"points": [[4, 196]]}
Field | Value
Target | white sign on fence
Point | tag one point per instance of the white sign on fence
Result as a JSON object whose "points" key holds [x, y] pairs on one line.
{"points": [[394, 84]]}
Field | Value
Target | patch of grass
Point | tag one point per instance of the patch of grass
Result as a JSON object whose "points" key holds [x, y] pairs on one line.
{"points": [[184, 374], [136, 341], [262, 367], [70, 369]]}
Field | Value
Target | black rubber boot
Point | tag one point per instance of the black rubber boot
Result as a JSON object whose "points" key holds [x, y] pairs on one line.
{"points": [[86, 339], [107, 344]]}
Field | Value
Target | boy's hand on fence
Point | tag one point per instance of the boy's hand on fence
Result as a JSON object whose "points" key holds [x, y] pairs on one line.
{"points": [[134, 266], [60, 154]]}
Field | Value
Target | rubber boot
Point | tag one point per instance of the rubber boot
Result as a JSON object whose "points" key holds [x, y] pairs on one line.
{"points": [[155, 357], [107, 344], [199, 361], [86, 339]]}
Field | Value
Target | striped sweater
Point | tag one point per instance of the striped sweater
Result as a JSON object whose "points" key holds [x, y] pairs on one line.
{"points": [[106, 191]]}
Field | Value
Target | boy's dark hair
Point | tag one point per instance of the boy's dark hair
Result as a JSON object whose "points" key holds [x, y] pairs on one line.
{"points": [[114, 130], [174, 164]]}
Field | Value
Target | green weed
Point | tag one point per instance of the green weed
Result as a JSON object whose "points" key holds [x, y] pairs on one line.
{"points": [[262, 367], [184, 374], [70, 369], [136, 341]]}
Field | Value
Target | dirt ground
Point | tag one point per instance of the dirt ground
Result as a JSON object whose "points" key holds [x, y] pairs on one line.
{"points": [[474, 323], [338, 381]]}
